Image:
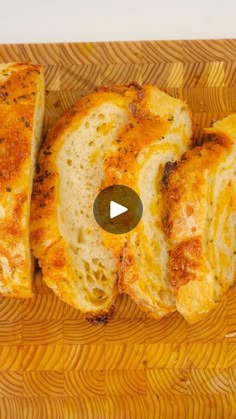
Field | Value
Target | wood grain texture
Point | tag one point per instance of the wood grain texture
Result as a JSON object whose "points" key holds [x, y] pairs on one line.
{"points": [[53, 364]]}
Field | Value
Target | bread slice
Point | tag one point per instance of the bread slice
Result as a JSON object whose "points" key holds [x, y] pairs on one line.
{"points": [[159, 131], [201, 223], [64, 234], [21, 119]]}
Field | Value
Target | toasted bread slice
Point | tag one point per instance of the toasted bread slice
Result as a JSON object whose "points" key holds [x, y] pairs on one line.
{"points": [[21, 119], [64, 234], [159, 131], [201, 222]]}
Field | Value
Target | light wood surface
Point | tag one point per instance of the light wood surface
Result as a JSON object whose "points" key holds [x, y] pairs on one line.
{"points": [[54, 364]]}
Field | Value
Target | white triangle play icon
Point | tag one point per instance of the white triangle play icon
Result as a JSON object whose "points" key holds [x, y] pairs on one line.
{"points": [[116, 209]]}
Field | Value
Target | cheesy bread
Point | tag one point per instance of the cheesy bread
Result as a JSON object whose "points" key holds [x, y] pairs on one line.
{"points": [[201, 222], [160, 131], [116, 135], [21, 119]]}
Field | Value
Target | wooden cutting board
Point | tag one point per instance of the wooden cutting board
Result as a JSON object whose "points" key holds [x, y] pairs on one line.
{"points": [[53, 364]]}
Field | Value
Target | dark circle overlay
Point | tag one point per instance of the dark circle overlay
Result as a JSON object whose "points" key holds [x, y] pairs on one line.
{"points": [[122, 195]]}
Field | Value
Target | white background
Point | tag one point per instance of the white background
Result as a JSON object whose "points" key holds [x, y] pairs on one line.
{"points": [[103, 20]]}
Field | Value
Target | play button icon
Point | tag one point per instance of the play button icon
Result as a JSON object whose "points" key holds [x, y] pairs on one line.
{"points": [[117, 209]]}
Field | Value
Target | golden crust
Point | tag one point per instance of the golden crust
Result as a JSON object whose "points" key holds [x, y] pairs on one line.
{"points": [[20, 85], [195, 216]]}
